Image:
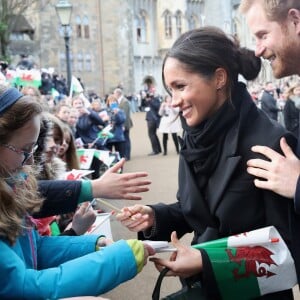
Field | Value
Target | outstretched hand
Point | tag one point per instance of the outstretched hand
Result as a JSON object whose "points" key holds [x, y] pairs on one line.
{"points": [[278, 174], [112, 185], [184, 262]]}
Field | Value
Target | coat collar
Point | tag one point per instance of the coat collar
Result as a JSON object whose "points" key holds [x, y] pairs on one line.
{"points": [[230, 159]]}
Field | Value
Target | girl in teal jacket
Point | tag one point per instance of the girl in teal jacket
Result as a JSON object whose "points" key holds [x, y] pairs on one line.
{"points": [[38, 267], [35, 267]]}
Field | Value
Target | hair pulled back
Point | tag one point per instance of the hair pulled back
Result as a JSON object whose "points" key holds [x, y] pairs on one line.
{"points": [[205, 49]]}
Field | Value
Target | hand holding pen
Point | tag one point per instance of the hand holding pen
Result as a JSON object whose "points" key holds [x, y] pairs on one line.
{"points": [[137, 217], [83, 218], [90, 205]]}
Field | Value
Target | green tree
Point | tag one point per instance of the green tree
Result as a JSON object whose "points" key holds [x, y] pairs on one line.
{"points": [[10, 11]]}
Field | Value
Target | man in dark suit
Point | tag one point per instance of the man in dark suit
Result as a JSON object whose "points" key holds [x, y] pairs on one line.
{"points": [[276, 27], [268, 102], [153, 120], [124, 104]]}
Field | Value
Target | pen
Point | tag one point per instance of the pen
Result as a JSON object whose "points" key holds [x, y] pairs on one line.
{"points": [[90, 205], [102, 221], [114, 208], [109, 205]]}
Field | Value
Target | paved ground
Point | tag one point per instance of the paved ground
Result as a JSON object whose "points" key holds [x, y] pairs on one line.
{"points": [[163, 173]]}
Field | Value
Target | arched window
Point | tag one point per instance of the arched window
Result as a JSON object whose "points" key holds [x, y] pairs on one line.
{"points": [[178, 18], [86, 27], [141, 27], [79, 62], [168, 24], [88, 63], [78, 27], [192, 22]]}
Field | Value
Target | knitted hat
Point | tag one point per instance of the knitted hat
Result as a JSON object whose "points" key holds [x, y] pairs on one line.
{"points": [[8, 98]]}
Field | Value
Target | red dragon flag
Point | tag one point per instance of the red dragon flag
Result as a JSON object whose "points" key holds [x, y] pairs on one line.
{"points": [[85, 157], [251, 264]]}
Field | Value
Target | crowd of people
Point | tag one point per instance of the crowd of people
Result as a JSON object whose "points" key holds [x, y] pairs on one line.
{"points": [[238, 169]]}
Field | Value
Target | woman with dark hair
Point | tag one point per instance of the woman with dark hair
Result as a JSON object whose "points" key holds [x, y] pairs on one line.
{"points": [[216, 196]]}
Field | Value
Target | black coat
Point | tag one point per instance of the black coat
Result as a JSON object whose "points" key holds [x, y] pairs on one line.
{"points": [[152, 114], [291, 117], [269, 105], [232, 203], [87, 127]]}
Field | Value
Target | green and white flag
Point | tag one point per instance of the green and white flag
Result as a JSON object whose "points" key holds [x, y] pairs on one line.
{"points": [[28, 78], [85, 157], [251, 264], [76, 86], [105, 157]]}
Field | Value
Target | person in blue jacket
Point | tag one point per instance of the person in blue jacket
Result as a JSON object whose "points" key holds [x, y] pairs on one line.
{"points": [[35, 267], [88, 124]]}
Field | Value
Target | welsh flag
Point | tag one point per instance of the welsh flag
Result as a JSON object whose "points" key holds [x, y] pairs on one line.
{"points": [[28, 78], [85, 157], [76, 86], [107, 157], [251, 264], [76, 174], [106, 133], [10, 76]]}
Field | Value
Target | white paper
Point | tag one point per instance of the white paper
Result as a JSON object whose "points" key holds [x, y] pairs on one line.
{"points": [[160, 246], [101, 226]]}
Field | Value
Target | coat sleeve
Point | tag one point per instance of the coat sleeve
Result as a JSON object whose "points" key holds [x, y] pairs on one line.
{"points": [[162, 229], [95, 118], [91, 274], [61, 196]]}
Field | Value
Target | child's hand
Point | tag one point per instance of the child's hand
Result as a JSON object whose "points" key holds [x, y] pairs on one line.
{"points": [[82, 219]]}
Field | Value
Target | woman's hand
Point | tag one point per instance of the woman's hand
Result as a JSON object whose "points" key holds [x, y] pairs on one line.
{"points": [[112, 185], [136, 218], [185, 262], [280, 173]]}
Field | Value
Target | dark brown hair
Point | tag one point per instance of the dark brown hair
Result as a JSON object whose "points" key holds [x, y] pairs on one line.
{"points": [[205, 49]]}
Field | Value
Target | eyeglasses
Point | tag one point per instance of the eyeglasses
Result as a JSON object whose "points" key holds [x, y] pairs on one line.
{"points": [[26, 154]]}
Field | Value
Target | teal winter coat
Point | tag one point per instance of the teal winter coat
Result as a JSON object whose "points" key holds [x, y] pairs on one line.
{"points": [[46, 267]]}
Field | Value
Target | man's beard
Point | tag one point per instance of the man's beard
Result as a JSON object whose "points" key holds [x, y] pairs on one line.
{"points": [[288, 59]]}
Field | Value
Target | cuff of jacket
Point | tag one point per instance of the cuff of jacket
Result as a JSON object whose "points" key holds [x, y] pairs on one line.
{"points": [[210, 285], [86, 192], [138, 250]]}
